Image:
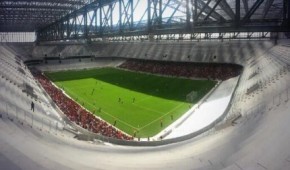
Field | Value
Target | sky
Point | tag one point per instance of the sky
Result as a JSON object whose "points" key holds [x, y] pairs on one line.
{"points": [[140, 8]]}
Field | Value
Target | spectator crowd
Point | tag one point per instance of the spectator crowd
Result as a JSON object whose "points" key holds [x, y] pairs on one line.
{"points": [[76, 113], [212, 71]]}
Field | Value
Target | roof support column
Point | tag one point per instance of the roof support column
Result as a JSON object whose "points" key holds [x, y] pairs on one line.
{"points": [[111, 16], [188, 26], [149, 15], [67, 28], [75, 25], [160, 14], [286, 11], [238, 13], [101, 20], [120, 15], [132, 14], [195, 11], [85, 16]]}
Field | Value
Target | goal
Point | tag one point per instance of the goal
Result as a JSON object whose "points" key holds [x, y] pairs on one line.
{"points": [[190, 97]]}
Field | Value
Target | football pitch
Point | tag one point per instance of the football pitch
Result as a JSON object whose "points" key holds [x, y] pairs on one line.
{"points": [[138, 103]]}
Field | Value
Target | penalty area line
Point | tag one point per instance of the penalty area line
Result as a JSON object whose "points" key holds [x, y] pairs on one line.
{"points": [[162, 116]]}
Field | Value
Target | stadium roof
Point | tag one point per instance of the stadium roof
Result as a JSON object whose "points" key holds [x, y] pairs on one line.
{"points": [[46, 15], [29, 15]]}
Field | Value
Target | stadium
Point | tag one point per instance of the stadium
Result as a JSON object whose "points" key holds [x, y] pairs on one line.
{"points": [[144, 84]]}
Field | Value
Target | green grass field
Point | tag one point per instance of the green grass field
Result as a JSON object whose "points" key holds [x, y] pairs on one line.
{"points": [[145, 100]]}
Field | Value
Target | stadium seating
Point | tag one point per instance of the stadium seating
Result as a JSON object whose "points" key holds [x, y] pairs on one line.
{"points": [[13, 83], [258, 140], [182, 69], [15, 99], [71, 64], [227, 52], [77, 113]]}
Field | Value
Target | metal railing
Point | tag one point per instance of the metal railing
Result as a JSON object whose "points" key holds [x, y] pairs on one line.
{"points": [[35, 120]]}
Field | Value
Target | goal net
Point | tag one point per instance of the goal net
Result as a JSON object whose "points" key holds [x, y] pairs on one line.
{"points": [[190, 97]]}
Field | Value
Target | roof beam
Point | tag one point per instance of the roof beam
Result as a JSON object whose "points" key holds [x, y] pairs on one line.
{"points": [[21, 11], [207, 10], [212, 10], [28, 6], [71, 2], [89, 7], [267, 7], [226, 7], [184, 5], [246, 5], [252, 10], [202, 10]]}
